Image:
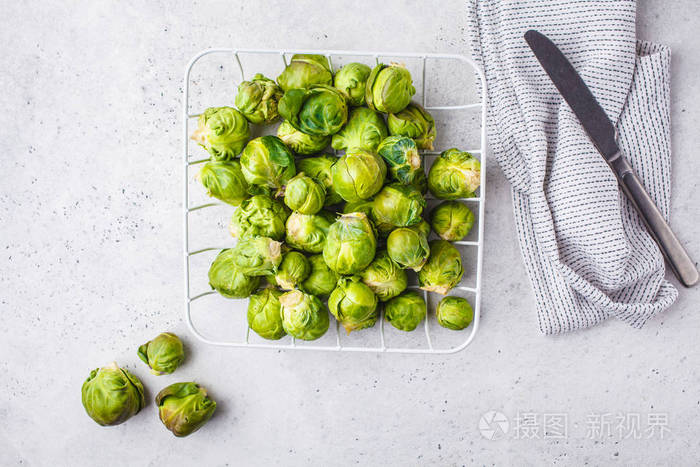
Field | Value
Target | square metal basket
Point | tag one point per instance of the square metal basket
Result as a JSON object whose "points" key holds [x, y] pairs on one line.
{"points": [[450, 86]]}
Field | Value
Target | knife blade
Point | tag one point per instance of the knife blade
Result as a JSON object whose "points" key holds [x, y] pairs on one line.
{"points": [[602, 133]]}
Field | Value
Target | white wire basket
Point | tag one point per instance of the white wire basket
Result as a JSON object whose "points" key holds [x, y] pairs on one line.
{"points": [[452, 90]]}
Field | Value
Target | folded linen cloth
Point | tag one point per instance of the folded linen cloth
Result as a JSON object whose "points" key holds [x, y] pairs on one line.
{"points": [[586, 251]]}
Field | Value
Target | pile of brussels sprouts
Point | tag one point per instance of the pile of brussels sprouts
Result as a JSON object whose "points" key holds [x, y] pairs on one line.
{"points": [[312, 226], [111, 395]]}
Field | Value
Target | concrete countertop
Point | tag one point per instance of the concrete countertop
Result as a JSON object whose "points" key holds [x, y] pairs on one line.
{"points": [[90, 231]]}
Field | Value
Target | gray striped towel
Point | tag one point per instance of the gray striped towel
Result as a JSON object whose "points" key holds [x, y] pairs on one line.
{"points": [[586, 251]]}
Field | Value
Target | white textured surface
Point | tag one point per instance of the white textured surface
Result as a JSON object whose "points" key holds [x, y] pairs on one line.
{"points": [[90, 235]]}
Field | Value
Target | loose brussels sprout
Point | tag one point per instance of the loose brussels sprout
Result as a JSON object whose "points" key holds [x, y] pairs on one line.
{"points": [[224, 181], [305, 70], [303, 194], [268, 162], [422, 227], [319, 168], [455, 174], [421, 182], [351, 79], [452, 220], [454, 313], [257, 256], [259, 216], [299, 142], [384, 277], [389, 88], [322, 280], [265, 314], [292, 271], [303, 315], [364, 206], [111, 395], [364, 131], [184, 408], [228, 279], [319, 110], [308, 232], [351, 244], [406, 311], [257, 99], [443, 270], [254, 190], [353, 304], [408, 247], [397, 205], [163, 354], [222, 131], [358, 175], [401, 156], [414, 122]]}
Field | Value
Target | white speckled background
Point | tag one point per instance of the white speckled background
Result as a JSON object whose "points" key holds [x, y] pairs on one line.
{"points": [[91, 267]]}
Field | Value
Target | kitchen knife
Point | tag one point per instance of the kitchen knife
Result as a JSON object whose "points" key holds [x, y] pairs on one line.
{"points": [[602, 133]]}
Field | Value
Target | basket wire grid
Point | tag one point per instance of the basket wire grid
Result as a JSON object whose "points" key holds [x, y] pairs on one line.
{"points": [[188, 161]]}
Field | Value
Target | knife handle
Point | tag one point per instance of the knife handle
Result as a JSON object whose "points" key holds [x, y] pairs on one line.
{"points": [[676, 256]]}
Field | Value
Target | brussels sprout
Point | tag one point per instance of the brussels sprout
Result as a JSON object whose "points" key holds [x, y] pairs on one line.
{"points": [[163, 354], [408, 247], [406, 311], [389, 88], [322, 280], [293, 269], [184, 408], [303, 194], [421, 182], [351, 244], [455, 174], [384, 277], [364, 206], [452, 220], [224, 181], [257, 99], [111, 395], [305, 70], [308, 232], [303, 315], [402, 159], [257, 256], [414, 122], [222, 131], [352, 79], [422, 227], [299, 142], [319, 168], [454, 313], [265, 314], [358, 175], [353, 304], [397, 205], [319, 110], [228, 279], [364, 131], [254, 190], [443, 270], [268, 162], [261, 216]]}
